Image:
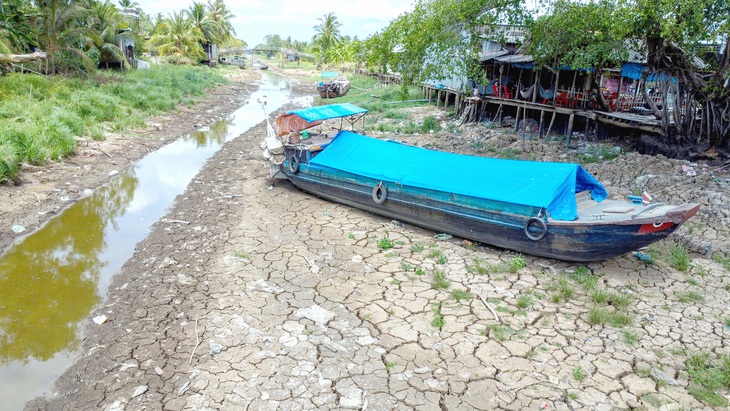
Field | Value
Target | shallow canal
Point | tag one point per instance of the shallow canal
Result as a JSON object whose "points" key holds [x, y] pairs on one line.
{"points": [[52, 280]]}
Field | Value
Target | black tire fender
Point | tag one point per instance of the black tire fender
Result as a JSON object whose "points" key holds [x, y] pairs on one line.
{"points": [[380, 193], [294, 164], [540, 223]]}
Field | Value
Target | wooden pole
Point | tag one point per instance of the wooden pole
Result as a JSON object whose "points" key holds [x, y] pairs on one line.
{"points": [[570, 126], [542, 123]]}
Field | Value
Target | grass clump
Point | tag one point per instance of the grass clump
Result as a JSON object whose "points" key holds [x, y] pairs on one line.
{"points": [[439, 280], [690, 297], [430, 123], [679, 258], [516, 263], [524, 301], [478, 266], [438, 318], [579, 373], [562, 289], [385, 243], [459, 295], [604, 315]]}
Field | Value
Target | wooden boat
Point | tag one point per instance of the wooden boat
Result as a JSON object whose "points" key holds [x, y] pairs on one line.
{"points": [[555, 210], [332, 85]]}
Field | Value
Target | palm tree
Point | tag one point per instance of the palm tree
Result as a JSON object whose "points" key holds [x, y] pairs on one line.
{"points": [[328, 35], [60, 27], [221, 18], [128, 4], [178, 38], [199, 18]]}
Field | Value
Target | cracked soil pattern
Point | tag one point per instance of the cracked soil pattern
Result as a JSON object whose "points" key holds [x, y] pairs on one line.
{"points": [[272, 299]]}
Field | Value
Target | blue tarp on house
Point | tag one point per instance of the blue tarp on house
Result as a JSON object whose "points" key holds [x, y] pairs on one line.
{"points": [[540, 184]]}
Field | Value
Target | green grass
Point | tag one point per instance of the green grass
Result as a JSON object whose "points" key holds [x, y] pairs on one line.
{"points": [[430, 123], [630, 337], [478, 266], [583, 277], [439, 280], [459, 295], [679, 258], [524, 301], [42, 117], [709, 378], [516, 263], [385, 243], [579, 373], [604, 316], [561, 289], [723, 260], [690, 297], [438, 318]]}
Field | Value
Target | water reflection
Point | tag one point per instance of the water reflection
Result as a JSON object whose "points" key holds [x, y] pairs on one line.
{"points": [[49, 284], [52, 280]]}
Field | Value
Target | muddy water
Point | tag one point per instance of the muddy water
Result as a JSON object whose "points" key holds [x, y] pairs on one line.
{"points": [[51, 281]]}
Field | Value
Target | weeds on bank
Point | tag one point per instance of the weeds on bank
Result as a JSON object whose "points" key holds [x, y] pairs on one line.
{"points": [[708, 376], [43, 116]]}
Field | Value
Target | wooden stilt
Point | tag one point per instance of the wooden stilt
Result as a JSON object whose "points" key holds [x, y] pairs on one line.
{"points": [[570, 126]]}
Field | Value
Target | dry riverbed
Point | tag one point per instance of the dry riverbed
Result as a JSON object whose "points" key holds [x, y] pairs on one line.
{"points": [[273, 299]]}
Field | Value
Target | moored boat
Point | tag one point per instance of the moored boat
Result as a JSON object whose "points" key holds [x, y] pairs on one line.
{"points": [[332, 85], [555, 210]]}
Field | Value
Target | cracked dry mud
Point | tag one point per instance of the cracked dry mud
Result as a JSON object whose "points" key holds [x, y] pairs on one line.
{"points": [[273, 299]]}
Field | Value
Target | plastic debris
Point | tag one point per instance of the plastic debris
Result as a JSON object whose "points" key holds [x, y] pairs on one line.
{"points": [[215, 348], [100, 319], [644, 257], [544, 405], [17, 229], [443, 237]]}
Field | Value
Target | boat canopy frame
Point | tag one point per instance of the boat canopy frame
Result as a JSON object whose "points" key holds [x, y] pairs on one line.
{"points": [[302, 119]]}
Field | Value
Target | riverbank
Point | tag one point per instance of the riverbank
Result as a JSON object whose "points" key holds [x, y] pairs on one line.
{"points": [[257, 296]]}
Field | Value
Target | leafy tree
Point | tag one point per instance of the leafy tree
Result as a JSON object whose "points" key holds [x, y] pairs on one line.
{"points": [[327, 37], [15, 32], [673, 32], [438, 38], [588, 35]]}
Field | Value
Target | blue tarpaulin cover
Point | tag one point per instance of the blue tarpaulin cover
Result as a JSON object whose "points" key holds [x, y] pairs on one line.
{"points": [[328, 112], [540, 184]]}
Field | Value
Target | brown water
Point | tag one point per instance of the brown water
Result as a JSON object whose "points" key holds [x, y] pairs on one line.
{"points": [[52, 280]]}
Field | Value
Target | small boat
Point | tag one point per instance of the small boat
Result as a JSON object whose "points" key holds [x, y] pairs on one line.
{"points": [[554, 210], [332, 85]]}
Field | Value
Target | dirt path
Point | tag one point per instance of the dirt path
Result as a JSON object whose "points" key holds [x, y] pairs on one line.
{"points": [[273, 299]]}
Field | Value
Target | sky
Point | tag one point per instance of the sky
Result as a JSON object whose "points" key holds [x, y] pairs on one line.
{"points": [[295, 18]]}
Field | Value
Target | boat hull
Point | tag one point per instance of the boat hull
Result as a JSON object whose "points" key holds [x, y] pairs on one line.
{"points": [[333, 89], [497, 224]]}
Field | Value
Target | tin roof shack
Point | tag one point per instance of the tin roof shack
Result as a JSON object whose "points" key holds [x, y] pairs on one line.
{"points": [[125, 57]]}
